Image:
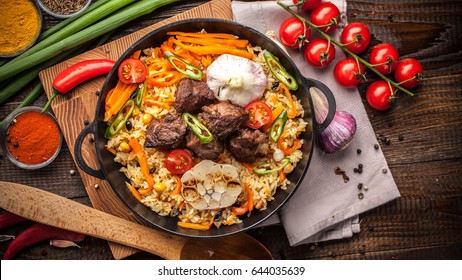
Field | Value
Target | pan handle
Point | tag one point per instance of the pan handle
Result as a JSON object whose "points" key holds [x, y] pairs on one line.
{"points": [[89, 129], [331, 104]]}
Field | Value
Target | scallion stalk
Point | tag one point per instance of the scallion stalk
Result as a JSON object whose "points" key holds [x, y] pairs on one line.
{"points": [[79, 24], [122, 17], [52, 30]]}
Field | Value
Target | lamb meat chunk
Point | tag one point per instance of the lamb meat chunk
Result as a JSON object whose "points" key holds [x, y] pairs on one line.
{"points": [[191, 95], [211, 150], [223, 118], [166, 133], [245, 144]]}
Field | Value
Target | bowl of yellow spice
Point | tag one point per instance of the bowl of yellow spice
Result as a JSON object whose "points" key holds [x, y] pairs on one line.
{"points": [[21, 26]]}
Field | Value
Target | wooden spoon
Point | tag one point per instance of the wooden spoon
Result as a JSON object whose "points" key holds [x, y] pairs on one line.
{"points": [[54, 210]]}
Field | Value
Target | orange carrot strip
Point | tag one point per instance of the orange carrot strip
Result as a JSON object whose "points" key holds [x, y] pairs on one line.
{"points": [[292, 112], [249, 196], [195, 226], [203, 50], [135, 193], [137, 54], [274, 114], [239, 43], [118, 98], [142, 160], [203, 35], [160, 104], [282, 176]]}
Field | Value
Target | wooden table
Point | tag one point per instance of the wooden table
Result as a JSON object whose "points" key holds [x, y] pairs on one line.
{"points": [[425, 223]]}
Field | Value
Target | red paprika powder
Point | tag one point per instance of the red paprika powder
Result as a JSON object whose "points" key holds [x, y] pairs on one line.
{"points": [[33, 137]]}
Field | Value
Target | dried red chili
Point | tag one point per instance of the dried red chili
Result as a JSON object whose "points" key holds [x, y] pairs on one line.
{"points": [[38, 233], [33, 137], [8, 219]]}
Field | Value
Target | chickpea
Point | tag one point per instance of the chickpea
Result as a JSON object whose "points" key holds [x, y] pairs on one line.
{"points": [[159, 187], [147, 118], [124, 147]]}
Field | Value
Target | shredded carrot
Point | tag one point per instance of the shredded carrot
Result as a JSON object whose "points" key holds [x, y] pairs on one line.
{"points": [[203, 50], [178, 186], [282, 176], [274, 114], [160, 104], [238, 43], [204, 226], [203, 35], [143, 162], [137, 54], [112, 150], [292, 112], [249, 196], [248, 166], [135, 193], [206, 60], [119, 96]]}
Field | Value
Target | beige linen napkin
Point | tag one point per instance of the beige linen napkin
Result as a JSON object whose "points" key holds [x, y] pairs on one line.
{"points": [[324, 207]]}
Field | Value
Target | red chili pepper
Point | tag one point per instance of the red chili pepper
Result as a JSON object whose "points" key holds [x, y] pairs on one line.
{"points": [[78, 73], [36, 234], [8, 219]]}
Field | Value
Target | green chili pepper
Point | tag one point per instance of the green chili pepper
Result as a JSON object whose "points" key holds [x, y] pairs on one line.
{"points": [[120, 119], [189, 70], [279, 71], [265, 168], [277, 127], [198, 128], [140, 94]]}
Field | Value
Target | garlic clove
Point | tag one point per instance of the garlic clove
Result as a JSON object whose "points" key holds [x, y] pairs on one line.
{"points": [[237, 79]]}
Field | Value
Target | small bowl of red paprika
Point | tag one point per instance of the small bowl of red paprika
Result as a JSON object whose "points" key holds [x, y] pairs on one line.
{"points": [[31, 139]]}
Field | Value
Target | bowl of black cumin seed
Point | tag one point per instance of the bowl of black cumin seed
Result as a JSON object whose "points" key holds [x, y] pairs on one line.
{"points": [[64, 9]]}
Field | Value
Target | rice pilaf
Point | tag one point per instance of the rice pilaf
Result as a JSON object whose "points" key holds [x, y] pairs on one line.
{"points": [[166, 198]]}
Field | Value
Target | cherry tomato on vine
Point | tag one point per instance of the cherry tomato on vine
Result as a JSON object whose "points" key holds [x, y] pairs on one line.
{"points": [[132, 71], [384, 57], [409, 72], [306, 5], [319, 52], [349, 72], [380, 95], [356, 37], [326, 15], [293, 33]]}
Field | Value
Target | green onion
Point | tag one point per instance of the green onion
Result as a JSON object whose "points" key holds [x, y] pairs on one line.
{"points": [[33, 94], [79, 24], [52, 30], [189, 70], [279, 71], [124, 16], [198, 128]]}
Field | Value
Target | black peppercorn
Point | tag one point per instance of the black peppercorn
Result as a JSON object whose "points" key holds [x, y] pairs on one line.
{"points": [[86, 122], [400, 137], [358, 151], [376, 146]]}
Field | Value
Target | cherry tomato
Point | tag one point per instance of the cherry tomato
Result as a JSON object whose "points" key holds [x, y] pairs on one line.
{"points": [[326, 15], [132, 71], [178, 161], [409, 72], [260, 114], [347, 73], [319, 52], [379, 95], [356, 37], [306, 5], [384, 57], [293, 33]]}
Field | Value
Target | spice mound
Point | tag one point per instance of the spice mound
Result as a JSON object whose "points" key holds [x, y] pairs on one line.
{"points": [[64, 7], [33, 137], [20, 26]]}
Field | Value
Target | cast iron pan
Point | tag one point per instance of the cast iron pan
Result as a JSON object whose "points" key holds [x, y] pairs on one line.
{"points": [[109, 170]]}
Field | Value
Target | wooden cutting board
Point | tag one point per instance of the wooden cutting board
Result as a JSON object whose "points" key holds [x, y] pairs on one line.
{"points": [[79, 105]]}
